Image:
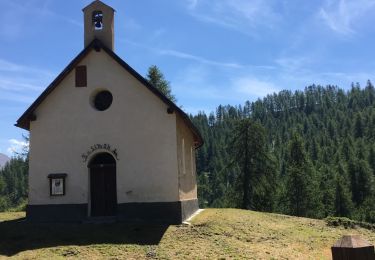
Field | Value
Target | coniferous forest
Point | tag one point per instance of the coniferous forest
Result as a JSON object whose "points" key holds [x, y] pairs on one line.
{"points": [[305, 153], [13, 183]]}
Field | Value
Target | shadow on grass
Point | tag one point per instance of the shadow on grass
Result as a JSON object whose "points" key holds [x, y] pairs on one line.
{"points": [[18, 235]]}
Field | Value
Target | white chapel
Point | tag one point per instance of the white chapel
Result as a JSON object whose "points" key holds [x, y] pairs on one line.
{"points": [[106, 143]]}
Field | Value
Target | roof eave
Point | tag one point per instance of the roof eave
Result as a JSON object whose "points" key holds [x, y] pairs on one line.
{"points": [[24, 121]]}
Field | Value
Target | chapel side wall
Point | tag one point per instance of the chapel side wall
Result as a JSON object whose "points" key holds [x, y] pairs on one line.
{"points": [[186, 161], [137, 125]]}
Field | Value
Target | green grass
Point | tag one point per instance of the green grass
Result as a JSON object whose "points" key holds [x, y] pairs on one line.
{"points": [[214, 234]]}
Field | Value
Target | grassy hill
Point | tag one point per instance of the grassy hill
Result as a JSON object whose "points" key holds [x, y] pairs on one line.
{"points": [[214, 234]]}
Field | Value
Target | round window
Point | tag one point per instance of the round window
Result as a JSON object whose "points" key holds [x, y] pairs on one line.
{"points": [[103, 100]]}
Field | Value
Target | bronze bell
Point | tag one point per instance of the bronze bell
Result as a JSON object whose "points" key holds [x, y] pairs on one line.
{"points": [[98, 24], [97, 18]]}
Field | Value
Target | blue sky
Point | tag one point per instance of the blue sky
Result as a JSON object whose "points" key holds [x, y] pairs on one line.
{"points": [[212, 51]]}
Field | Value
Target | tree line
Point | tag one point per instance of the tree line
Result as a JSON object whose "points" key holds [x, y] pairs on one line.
{"points": [[306, 153], [14, 183]]}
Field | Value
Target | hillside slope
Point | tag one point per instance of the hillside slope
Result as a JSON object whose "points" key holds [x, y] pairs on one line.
{"points": [[337, 133], [215, 233]]}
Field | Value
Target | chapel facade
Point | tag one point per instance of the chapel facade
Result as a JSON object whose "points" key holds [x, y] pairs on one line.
{"points": [[106, 143]]}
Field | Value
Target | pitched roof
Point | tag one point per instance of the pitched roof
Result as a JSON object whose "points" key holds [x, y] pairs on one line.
{"points": [[352, 241], [97, 2], [28, 115]]}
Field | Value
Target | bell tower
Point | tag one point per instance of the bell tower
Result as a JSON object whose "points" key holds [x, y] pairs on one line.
{"points": [[99, 23]]}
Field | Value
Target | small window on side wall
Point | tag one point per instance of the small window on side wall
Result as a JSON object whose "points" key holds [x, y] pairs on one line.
{"points": [[81, 76], [183, 156], [57, 184]]}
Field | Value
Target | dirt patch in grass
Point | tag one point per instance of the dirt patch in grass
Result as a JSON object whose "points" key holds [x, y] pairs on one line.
{"points": [[214, 234]]}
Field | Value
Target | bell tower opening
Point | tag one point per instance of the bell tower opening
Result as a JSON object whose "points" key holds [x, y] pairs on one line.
{"points": [[99, 24], [97, 20]]}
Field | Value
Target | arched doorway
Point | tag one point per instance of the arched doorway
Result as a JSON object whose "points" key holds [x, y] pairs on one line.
{"points": [[103, 185]]}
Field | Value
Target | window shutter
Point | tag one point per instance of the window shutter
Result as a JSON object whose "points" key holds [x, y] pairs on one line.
{"points": [[81, 76]]}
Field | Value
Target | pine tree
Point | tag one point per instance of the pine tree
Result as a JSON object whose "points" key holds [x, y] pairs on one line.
{"points": [[13, 182], [301, 186], [327, 189], [361, 179], [371, 159], [250, 153], [156, 78], [343, 197], [358, 126]]}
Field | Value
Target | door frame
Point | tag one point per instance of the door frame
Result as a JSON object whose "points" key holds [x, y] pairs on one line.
{"points": [[89, 166]]}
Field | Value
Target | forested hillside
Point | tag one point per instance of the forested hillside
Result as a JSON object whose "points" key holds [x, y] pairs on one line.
{"points": [[320, 143], [13, 183]]}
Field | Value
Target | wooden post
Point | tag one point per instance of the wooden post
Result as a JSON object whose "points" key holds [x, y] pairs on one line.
{"points": [[352, 248]]}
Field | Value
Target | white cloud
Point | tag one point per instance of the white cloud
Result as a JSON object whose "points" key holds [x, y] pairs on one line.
{"points": [[131, 24], [8, 66], [192, 4], [16, 146], [300, 71], [340, 15], [293, 63], [202, 60], [17, 85], [194, 87], [196, 90], [192, 57], [241, 15], [20, 83], [15, 17], [17, 98], [184, 55], [194, 83], [254, 87]]}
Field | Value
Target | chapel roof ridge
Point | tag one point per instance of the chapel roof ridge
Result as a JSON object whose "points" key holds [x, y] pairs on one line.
{"points": [[98, 2]]}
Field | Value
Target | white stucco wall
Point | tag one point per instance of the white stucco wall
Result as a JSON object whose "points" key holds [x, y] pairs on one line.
{"points": [[137, 125], [186, 161]]}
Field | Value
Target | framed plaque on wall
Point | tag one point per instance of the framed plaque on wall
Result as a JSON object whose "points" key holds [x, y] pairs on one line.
{"points": [[57, 184]]}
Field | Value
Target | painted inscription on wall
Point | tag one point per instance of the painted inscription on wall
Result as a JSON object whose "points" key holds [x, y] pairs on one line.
{"points": [[97, 147]]}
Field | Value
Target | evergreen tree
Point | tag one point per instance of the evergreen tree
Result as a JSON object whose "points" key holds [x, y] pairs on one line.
{"points": [[362, 181], [358, 126], [327, 189], [343, 198], [13, 183], [156, 78], [371, 159], [302, 191], [250, 153]]}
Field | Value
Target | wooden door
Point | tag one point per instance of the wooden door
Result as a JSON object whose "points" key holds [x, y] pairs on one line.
{"points": [[103, 190]]}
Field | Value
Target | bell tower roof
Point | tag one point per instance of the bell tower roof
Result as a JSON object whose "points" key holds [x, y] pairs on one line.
{"points": [[97, 2], [99, 23]]}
